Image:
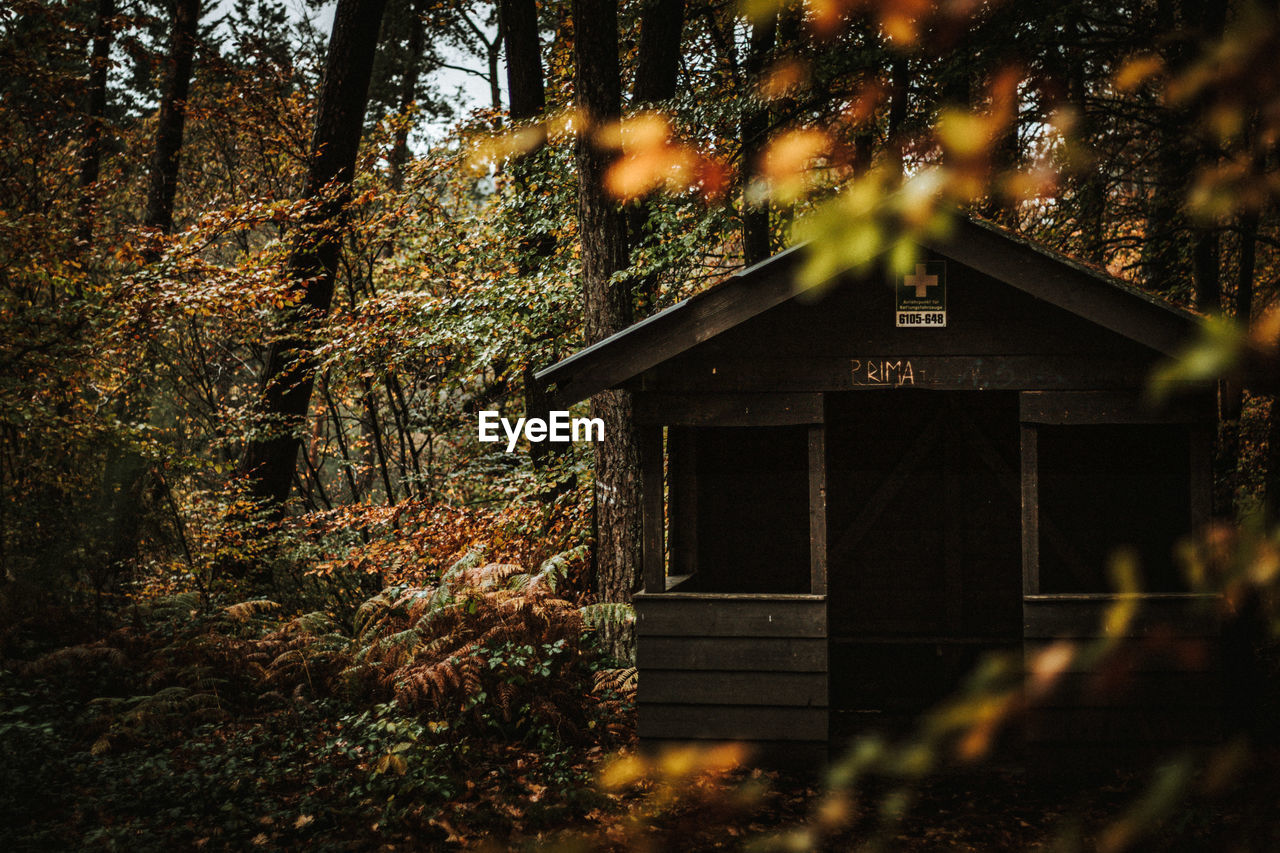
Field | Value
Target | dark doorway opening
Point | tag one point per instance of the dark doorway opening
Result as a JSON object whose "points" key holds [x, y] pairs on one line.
{"points": [[924, 546]]}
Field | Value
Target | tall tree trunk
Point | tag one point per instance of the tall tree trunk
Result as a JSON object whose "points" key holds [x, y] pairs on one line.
{"points": [[1205, 258], [606, 309], [657, 70], [525, 92], [900, 87], [408, 94], [1163, 263], [1090, 187], [91, 156], [494, 51], [268, 463], [172, 120], [754, 127], [527, 100], [1232, 393], [658, 56]]}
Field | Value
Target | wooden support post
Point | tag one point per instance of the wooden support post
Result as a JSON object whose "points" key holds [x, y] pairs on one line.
{"points": [[682, 500], [1030, 512], [953, 459], [1201, 469], [817, 510], [653, 503]]}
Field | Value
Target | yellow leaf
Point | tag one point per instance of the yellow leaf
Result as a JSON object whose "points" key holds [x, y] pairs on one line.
{"points": [[622, 772], [642, 131], [1137, 71], [963, 133], [783, 79], [788, 158]]}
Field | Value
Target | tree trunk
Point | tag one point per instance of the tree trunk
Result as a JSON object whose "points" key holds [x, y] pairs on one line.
{"points": [[658, 56], [1206, 269], [408, 94], [91, 157], [900, 85], [494, 51], [527, 100], [1227, 464], [269, 463], [1090, 187], [173, 116], [756, 241], [657, 70], [1271, 481], [606, 309], [524, 58]]}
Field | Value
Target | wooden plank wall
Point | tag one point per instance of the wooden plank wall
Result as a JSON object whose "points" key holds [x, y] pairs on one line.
{"points": [[749, 668], [1161, 684]]}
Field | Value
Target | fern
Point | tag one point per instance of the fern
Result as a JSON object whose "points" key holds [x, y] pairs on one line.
{"points": [[246, 610], [607, 614], [622, 681]]}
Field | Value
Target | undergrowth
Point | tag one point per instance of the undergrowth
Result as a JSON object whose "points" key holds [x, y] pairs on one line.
{"points": [[437, 713]]}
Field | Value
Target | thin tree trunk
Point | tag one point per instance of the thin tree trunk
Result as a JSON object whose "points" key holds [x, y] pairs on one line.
{"points": [[1206, 267], [494, 51], [172, 120], [756, 240], [91, 157], [1090, 187], [1209, 17], [1245, 274], [527, 97], [1161, 259], [657, 72], [900, 84], [269, 463], [607, 309], [1271, 477], [1232, 393], [408, 94]]}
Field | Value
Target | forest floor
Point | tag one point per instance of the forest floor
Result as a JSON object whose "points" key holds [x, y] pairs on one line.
{"points": [[179, 733], [316, 777]]}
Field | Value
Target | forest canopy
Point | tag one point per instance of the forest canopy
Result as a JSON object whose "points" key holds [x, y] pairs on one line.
{"points": [[262, 265]]}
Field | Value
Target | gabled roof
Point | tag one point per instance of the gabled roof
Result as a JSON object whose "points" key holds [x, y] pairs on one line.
{"points": [[1020, 263]]}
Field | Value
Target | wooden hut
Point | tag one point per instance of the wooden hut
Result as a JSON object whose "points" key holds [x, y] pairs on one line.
{"points": [[850, 496]]}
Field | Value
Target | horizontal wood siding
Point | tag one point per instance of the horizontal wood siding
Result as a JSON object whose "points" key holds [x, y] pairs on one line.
{"points": [[732, 667], [736, 722], [806, 689], [1162, 682], [724, 615], [1116, 407], [727, 409], [773, 654], [1083, 615]]}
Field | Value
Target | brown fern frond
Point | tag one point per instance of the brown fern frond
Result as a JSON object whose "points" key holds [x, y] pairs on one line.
{"points": [[506, 694], [622, 681], [75, 656], [246, 610]]}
